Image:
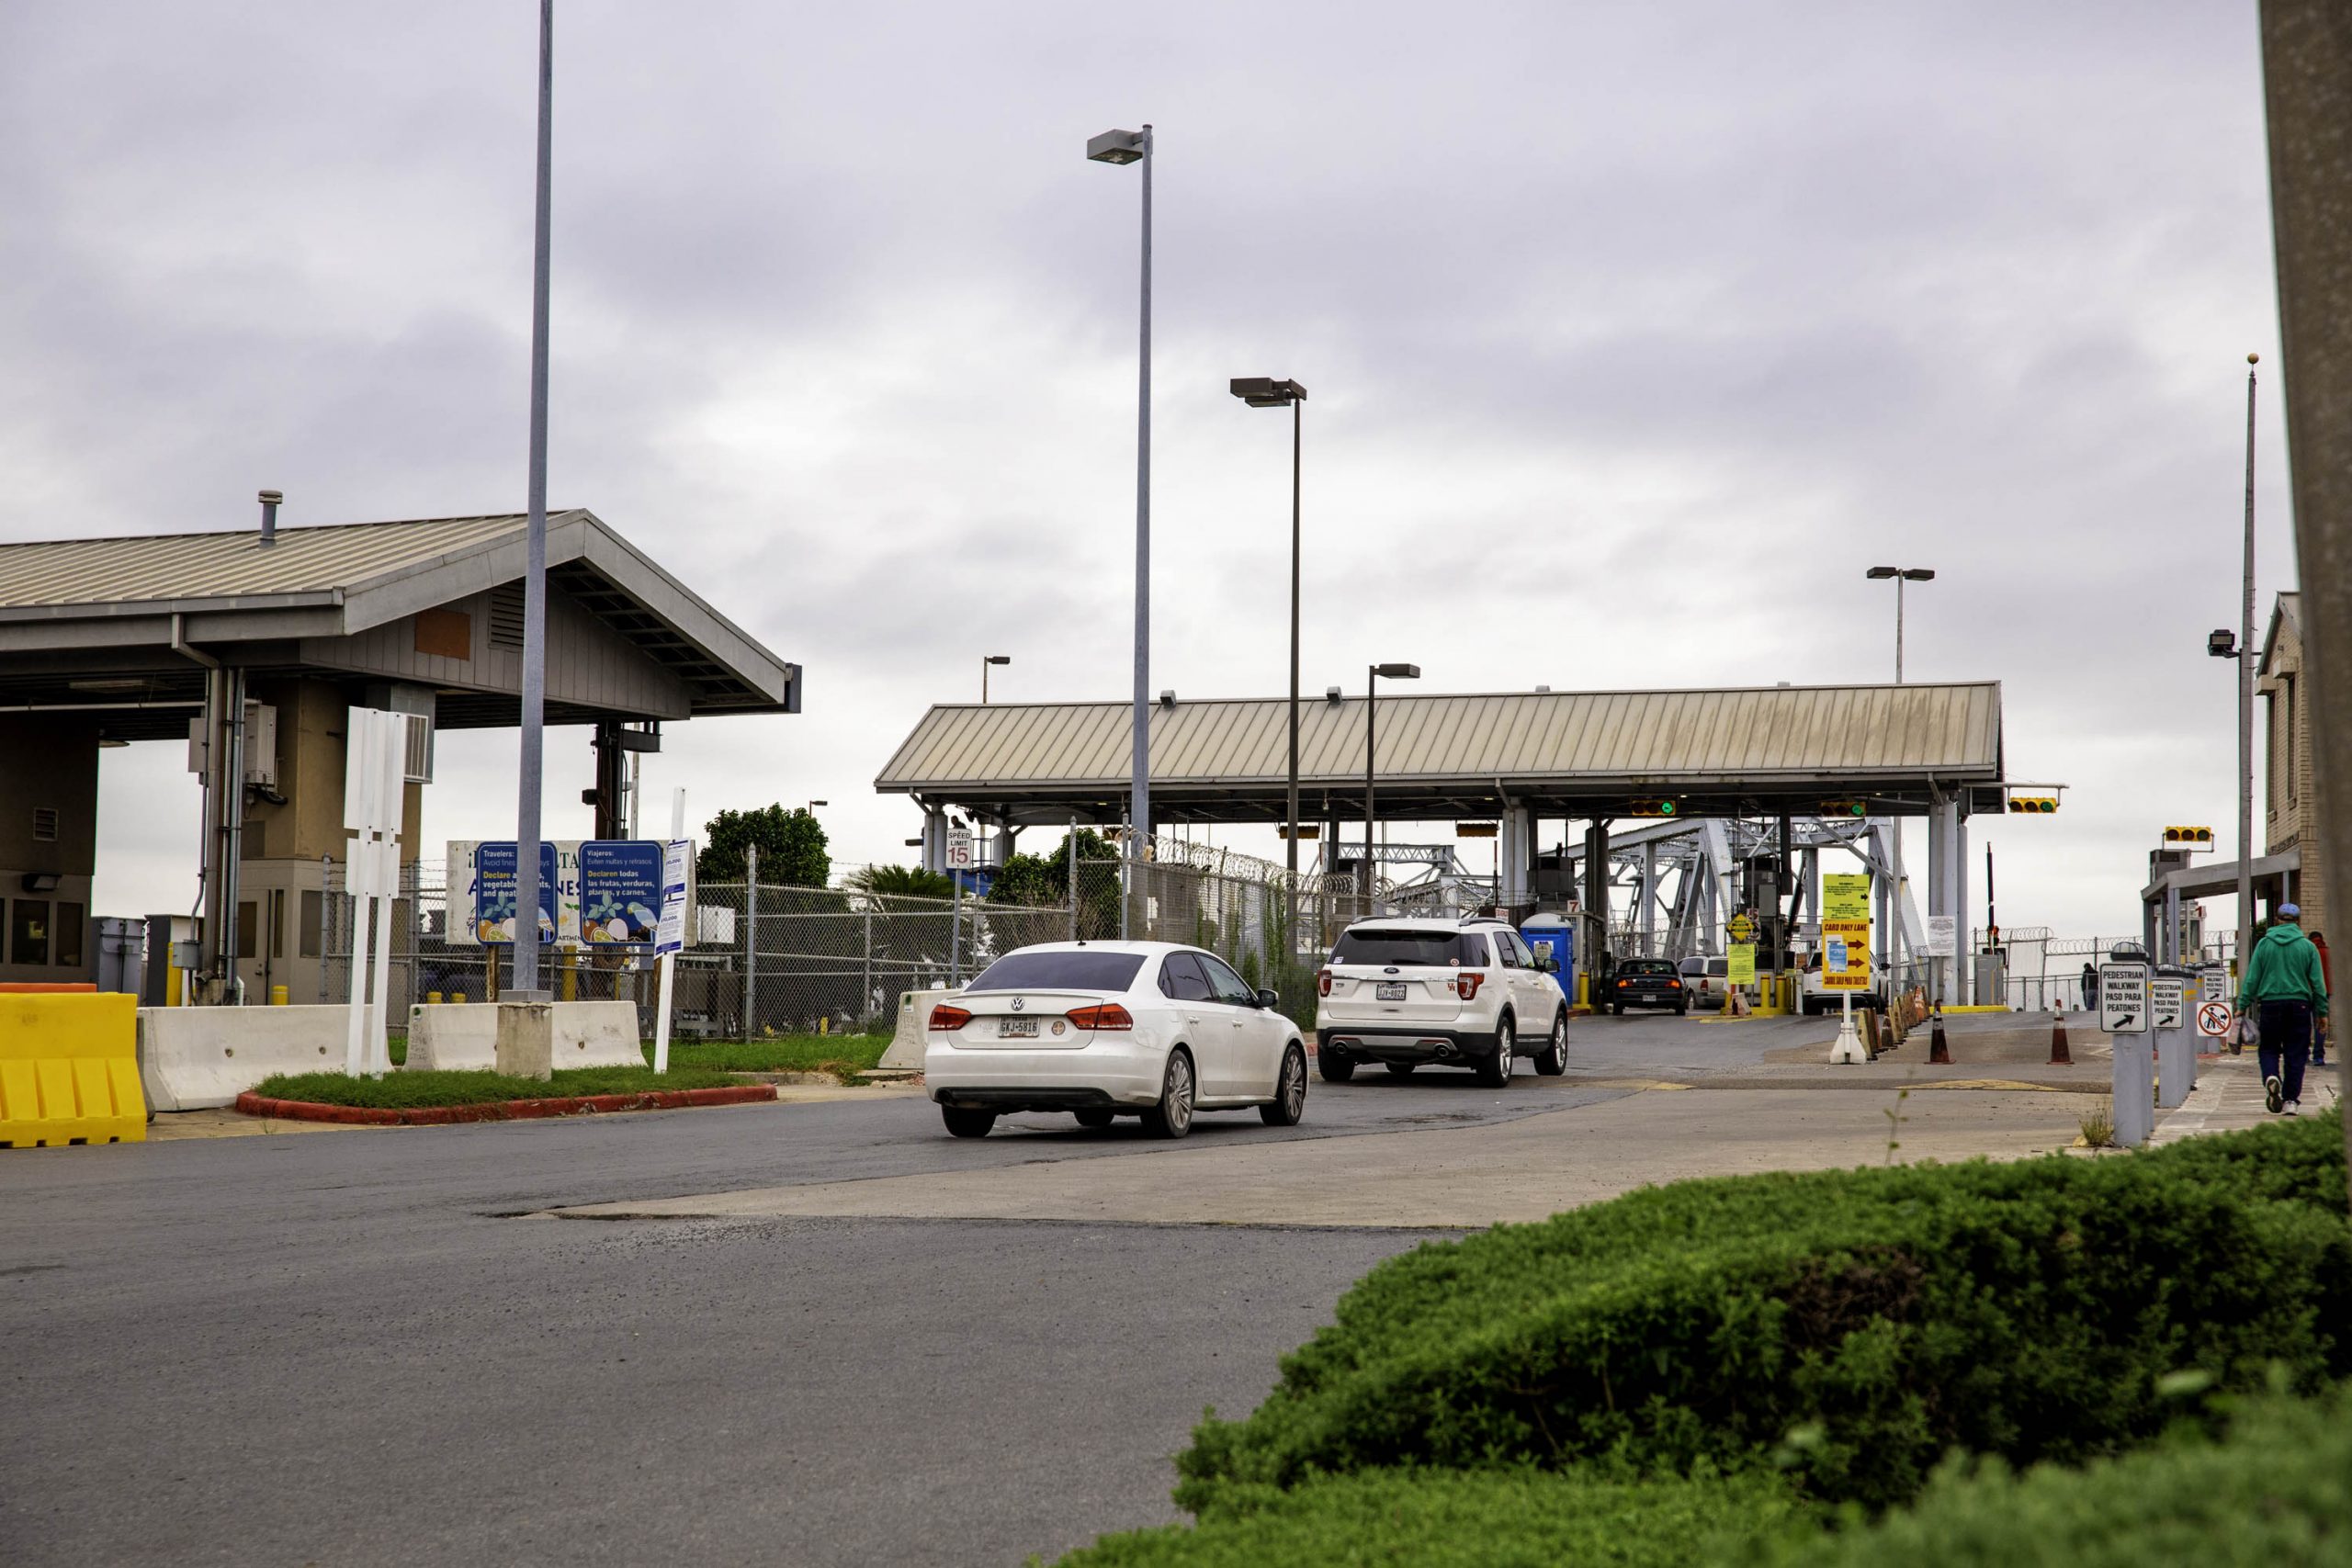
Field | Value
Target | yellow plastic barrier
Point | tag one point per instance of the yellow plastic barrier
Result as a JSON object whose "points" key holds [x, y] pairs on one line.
{"points": [[69, 1070]]}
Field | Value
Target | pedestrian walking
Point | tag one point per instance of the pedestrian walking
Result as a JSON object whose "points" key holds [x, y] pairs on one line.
{"points": [[2285, 989], [2327, 980], [2090, 987]]}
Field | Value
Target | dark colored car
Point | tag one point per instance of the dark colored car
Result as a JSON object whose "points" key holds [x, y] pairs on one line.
{"points": [[1648, 983]]}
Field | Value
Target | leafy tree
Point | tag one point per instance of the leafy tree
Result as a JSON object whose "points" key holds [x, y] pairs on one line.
{"points": [[792, 847], [1043, 881], [902, 881]]}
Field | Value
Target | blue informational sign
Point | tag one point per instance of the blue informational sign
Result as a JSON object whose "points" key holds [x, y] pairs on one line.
{"points": [[620, 891], [493, 892]]}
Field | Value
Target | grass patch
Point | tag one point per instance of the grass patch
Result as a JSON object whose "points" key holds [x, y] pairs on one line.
{"points": [[843, 1055], [405, 1090], [2097, 1126]]}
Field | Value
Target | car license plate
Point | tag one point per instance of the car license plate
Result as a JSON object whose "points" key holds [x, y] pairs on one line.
{"points": [[1016, 1029], [1391, 991]]}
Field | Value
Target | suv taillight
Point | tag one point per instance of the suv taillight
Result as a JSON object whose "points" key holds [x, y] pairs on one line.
{"points": [[1109, 1015], [1322, 982], [1466, 983], [943, 1017]]}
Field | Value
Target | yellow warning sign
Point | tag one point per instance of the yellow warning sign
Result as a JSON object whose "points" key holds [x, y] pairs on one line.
{"points": [[1844, 952]]}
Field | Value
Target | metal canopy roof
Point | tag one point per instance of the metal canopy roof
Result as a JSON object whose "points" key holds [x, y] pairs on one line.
{"points": [[1565, 753], [88, 624]]}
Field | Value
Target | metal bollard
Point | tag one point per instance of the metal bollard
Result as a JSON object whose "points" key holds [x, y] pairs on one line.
{"points": [[2135, 1089], [2173, 1031]]}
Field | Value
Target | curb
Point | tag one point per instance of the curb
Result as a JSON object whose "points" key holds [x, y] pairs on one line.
{"points": [[252, 1104]]}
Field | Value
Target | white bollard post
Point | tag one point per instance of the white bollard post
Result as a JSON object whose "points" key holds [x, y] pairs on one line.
{"points": [[1848, 1047], [669, 959]]}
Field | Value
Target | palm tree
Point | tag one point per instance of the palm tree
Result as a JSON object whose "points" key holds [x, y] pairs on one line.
{"points": [[900, 881]]}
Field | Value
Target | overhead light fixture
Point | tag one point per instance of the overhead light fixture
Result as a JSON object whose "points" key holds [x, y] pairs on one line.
{"points": [[108, 684], [40, 882]]}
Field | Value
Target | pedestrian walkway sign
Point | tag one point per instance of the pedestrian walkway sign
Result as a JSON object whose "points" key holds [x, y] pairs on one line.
{"points": [[2167, 1001], [2123, 997]]}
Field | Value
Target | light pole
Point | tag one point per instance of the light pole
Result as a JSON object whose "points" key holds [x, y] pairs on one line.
{"points": [[1129, 146], [1371, 706], [535, 576], [2223, 644], [1265, 392], [1900, 574], [985, 662]]}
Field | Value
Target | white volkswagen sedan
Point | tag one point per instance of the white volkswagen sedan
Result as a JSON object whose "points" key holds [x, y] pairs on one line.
{"points": [[1105, 1029]]}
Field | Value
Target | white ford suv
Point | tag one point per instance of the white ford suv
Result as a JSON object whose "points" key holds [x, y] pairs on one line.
{"points": [[1404, 991]]}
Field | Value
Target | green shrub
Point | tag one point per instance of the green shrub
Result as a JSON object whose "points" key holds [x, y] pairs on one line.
{"points": [[2275, 1493], [1513, 1518], [1851, 1327], [2295, 1159]]}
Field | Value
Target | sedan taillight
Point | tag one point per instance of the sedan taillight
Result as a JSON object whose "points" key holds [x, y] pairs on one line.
{"points": [[943, 1017], [1322, 982], [1466, 983], [1108, 1015], [1674, 984]]}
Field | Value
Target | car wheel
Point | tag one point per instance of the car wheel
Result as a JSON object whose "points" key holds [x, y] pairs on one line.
{"points": [[1172, 1117], [1682, 1008], [1495, 1071], [1400, 1069], [1334, 1067], [1290, 1092], [1093, 1116], [1552, 1060], [967, 1123]]}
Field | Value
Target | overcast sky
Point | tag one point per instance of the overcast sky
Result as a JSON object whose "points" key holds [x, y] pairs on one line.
{"points": [[1634, 333]]}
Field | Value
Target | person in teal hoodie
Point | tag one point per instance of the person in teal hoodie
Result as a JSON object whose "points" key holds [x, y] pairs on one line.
{"points": [[2285, 989]]}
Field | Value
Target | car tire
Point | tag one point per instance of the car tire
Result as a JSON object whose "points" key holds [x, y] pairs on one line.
{"points": [[1494, 1069], [965, 1123], [1172, 1117], [1093, 1116], [1552, 1060], [1400, 1069], [1289, 1104], [1335, 1067], [1682, 1010]]}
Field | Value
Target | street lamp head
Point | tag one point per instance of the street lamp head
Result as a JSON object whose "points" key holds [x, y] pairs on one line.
{"points": [[1883, 573], [1919, 573], [2222, 643], [999, 658], [1397, 671], [1117, 146], [1265, 392]]}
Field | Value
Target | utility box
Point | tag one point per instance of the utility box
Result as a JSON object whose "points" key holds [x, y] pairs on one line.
{"points": [[122, 954], [1991, 988]]}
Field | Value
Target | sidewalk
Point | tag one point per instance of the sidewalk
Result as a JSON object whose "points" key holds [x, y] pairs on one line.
{"points": [[2229, 1096]]}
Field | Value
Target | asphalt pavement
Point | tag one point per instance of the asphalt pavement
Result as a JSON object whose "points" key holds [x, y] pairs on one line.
{"points": [[357, 1348]]}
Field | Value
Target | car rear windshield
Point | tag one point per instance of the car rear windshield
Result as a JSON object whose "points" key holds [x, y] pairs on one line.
{"points": [[1647, 966], [1060, 969], [1372, 945]]}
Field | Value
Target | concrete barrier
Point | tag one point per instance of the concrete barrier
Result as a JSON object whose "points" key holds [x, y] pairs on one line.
{"points": [[463, 1037], [69, 1072], [906, 1042], [196, 1058]]}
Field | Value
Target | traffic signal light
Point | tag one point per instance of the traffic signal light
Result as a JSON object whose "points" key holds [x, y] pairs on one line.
{"points": [[2189, 838], [2034, 803], [1654, 808], [1845, 808]]}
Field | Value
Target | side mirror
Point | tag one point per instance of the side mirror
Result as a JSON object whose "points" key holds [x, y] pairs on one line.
{"points": [[1549, 966], [1268, 998]]}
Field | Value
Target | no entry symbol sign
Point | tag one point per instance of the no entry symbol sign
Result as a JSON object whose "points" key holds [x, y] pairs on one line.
{"points": [[2213, 1019]]}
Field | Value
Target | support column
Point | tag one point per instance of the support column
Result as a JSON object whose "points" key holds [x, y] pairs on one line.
{"points": [[1596, 869], [610, 795], [1514, 858], [935, 841], [1943, 872]]}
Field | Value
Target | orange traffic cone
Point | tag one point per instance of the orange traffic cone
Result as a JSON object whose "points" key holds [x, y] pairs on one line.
{"points": [[1939, 1053], [2058, 1055]]}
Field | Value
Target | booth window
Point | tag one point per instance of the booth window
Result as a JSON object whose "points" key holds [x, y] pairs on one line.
{"points": [[28, 931], [248, 919], [71, 919]]}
